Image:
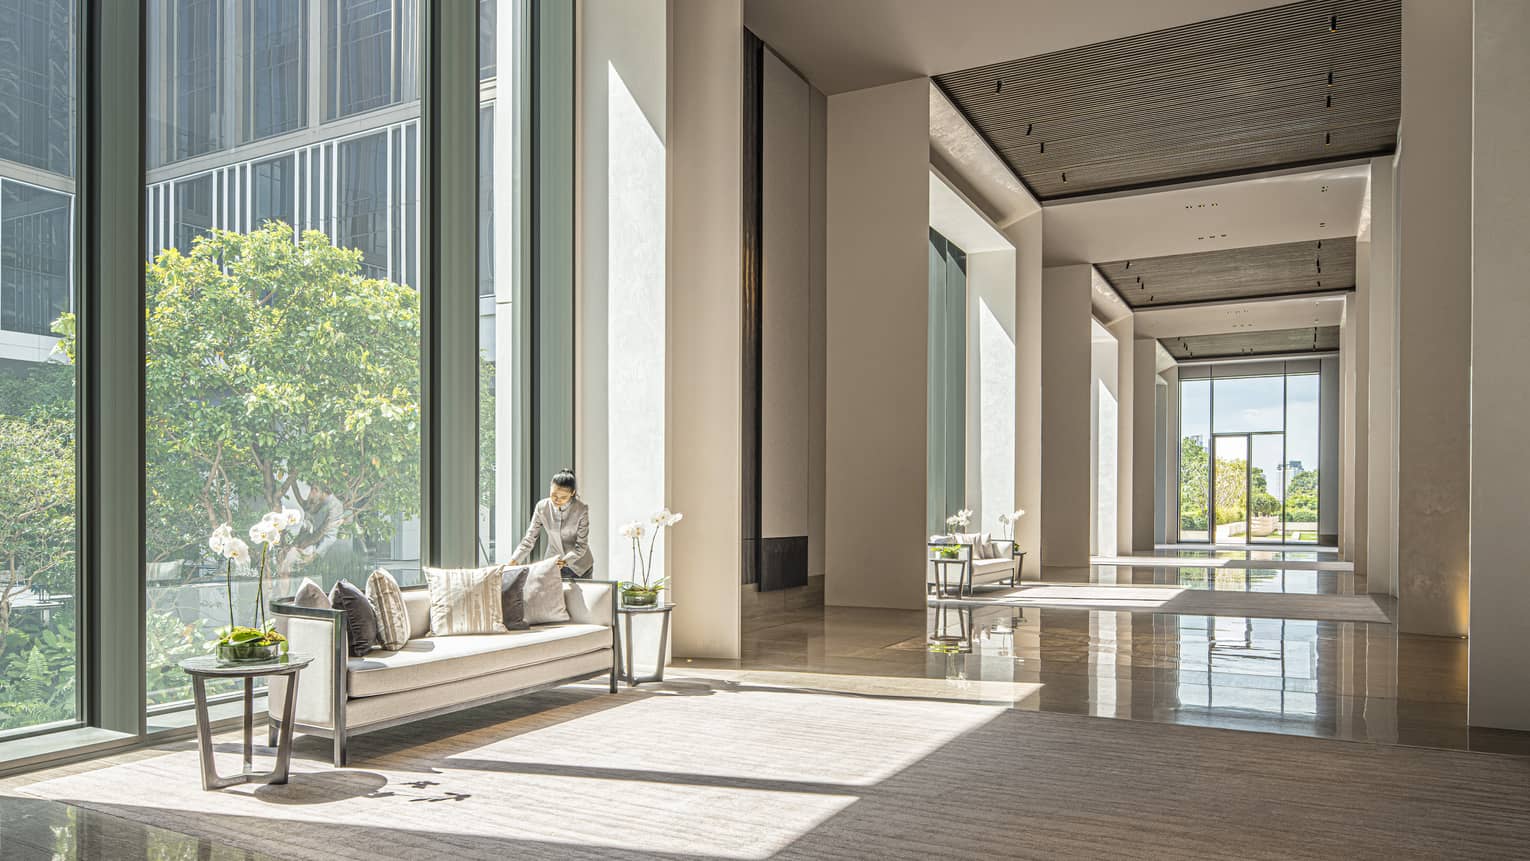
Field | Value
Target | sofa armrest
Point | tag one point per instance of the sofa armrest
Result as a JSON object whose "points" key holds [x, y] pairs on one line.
{"points": [[322, 686], [591, 602]]}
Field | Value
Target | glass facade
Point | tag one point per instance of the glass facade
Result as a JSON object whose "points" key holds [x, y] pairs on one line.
{"points": [[39, 658], [1248, 463], [283, 339]]}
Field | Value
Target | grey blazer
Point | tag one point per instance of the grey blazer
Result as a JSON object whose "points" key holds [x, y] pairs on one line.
{"points": [[568, 534]]}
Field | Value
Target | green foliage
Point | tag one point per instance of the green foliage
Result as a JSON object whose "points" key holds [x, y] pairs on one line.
{"points": [[274, 366], [1302, 497], [1194, 477]]}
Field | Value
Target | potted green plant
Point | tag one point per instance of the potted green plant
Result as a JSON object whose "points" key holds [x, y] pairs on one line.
{"points": [[260, 641], [643, 589]]}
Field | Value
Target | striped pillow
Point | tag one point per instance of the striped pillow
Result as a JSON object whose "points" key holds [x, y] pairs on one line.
{"points": [[392, 617], [465, 601]]}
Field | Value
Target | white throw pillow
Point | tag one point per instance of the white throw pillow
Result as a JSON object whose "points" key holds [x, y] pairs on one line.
{"points": [[465, 601], [392, 617], [544, 594]]}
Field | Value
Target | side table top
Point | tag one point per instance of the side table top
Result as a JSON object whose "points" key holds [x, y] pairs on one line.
{"points": [[651, 608], [210, 665]]}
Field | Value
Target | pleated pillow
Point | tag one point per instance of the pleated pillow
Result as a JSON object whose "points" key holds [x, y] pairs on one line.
{"points": [[392, 617], [465, 601]]}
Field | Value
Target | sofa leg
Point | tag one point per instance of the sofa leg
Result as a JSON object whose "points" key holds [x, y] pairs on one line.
{"points": [[613, 678], [271, 727], [342, 753]]}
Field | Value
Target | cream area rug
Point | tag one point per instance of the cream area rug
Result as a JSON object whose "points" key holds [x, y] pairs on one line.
{"points": [[713, 769], [1184, 601]]}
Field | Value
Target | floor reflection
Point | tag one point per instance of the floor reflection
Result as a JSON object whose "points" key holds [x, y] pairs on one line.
{"points": [[1333, 679], [38, 829]]}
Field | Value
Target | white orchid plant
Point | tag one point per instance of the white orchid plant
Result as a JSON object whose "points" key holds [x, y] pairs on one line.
{"points": [[1010, 522], [266, 534], [960, 520], [643, 581]]}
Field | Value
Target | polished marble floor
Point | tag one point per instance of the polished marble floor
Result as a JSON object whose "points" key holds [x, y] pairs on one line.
{"points": [[1333, 679]]}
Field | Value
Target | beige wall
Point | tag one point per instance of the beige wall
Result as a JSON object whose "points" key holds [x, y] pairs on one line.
{"points": [[1499, 669], [1065, 469], [877, 307], [1434, 318], [703, 424]]}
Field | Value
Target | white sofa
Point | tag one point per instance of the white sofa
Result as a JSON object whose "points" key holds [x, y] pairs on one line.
{"points": [[339, 696], [1003, 569]]}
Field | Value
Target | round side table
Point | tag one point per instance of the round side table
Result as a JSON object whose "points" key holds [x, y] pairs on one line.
{"points": [[643, 640], [206, 667]]}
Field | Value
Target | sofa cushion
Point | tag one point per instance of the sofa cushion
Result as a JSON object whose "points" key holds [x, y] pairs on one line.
{"points": [[982, 566], [360, 616], [464, 601], [392, 618], [438, 660]]}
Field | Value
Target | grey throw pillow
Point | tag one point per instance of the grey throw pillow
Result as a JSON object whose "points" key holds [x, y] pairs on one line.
{"points": [[311, 595], [465, 600], [544, 594], [360, 617], [512, 597], [392, 616]]}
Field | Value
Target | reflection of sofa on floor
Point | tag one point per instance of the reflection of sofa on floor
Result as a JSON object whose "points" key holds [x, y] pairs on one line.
{"points": [[984, 563]]}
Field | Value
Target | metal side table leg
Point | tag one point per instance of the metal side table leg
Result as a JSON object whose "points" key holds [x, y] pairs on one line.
{"points": [[284, 735]]}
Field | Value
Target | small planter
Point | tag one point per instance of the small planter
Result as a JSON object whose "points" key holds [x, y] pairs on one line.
{"points": [[248, 653], [640, 597]]}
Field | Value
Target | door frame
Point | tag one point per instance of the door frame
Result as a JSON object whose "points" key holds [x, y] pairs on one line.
{"points": [[1248, 487]]}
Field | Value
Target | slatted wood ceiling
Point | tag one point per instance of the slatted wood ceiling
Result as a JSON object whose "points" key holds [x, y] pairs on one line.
{"points": [[1289, 269], [1232, 95], [1307, 340]]}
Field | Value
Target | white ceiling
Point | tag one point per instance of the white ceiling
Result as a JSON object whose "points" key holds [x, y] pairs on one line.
{"points": [[843, 45], [1264, 315], [1293, 207]]}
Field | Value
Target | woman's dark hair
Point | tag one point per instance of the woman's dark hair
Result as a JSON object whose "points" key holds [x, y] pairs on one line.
{"points": [[564, 478]]}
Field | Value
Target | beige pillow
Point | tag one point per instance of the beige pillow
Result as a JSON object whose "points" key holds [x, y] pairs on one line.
{"points": [[392, 617], [465, 601], [544, 593]]}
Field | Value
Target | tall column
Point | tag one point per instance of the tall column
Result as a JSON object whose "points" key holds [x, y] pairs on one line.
{"points": [[1499, 674], [877, 302], [1065, 342], [704, 322], [1026, 236], [1381, 385], [1144, 439], [1126, 425], [1434, 318]]}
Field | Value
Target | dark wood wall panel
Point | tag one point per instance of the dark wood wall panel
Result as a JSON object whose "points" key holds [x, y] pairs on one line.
{"points": [[1298, 84], [1293, 268], [1245, 344], [752, 282]]}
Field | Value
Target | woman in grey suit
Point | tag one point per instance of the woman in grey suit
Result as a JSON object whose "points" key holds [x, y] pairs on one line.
{"points": [[566, 519]]}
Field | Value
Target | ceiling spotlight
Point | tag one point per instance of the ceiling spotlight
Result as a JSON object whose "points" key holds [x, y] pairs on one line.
{"points": [[998, 86], [1065, 176], [1128, 264], [1330, 77], [1028, 127], [1333, 23], [1329, 102], [1043, 146], [1327, 138]]}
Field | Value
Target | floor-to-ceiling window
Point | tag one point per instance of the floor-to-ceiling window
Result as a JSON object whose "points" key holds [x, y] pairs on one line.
{"points": [[947, 400], [283, 323], [1249, 444], [39, 587]]}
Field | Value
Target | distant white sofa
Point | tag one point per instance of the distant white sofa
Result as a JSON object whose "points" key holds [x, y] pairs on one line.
{"points": [[340, 696], [1001, 564]]}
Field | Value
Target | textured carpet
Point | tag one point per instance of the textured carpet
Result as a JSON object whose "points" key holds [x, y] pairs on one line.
{"points": [[714, 769], [1186, 602]]}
